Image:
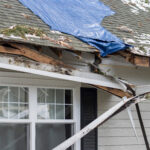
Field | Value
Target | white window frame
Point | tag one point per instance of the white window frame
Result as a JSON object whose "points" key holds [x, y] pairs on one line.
{"points": [[22, 82]]}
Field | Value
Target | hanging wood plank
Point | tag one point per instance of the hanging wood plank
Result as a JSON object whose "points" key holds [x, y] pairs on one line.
{"points": [[115, 92], [19, 49]]}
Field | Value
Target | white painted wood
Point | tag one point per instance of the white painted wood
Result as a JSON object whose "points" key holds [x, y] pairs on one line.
{"points": [[77, 114], [33, 116], [15, 121], [49, 121], [10, 78]]}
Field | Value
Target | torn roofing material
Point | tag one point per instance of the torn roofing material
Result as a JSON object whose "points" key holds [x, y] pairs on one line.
{"points": [[80, 19]]}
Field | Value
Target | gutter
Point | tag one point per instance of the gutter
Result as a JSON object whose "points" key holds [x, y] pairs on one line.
{"points": [[8, 62]]}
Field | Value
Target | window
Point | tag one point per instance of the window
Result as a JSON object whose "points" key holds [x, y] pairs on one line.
{"points": [[34, 118], [14, 102], [54, 104]]}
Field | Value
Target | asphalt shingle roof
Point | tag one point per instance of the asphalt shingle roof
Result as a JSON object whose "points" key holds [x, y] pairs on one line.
{"points": [[136, 26], [12, 12]]}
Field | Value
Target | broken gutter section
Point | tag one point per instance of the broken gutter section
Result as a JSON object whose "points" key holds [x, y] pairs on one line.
{"points": [[11, 63]]}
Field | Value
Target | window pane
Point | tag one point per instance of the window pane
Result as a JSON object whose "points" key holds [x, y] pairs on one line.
{"points": [[60, 112], [42, 111], [3, 94], [68, 96], [3, 110], [54, 104], [60, 96], [68, 112], [24, 95], [50, 97], [13, 111], [51, 111], [14, 137], [14, 102], [53, 135], [46, 111], [23, 111], [41, 95], [13, 94]]}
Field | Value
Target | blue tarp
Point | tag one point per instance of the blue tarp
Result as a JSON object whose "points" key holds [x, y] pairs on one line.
{"points": [[80, 18]]}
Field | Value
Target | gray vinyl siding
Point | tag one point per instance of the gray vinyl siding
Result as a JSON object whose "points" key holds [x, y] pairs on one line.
{"points": [[117, 133]]}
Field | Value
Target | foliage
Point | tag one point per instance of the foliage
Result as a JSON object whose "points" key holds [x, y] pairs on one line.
{"points": [[22, 31]]}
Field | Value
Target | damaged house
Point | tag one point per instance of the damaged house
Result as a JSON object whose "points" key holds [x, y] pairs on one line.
{"points": [[68, 81]]}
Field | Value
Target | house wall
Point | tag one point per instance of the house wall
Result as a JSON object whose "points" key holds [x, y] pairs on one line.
{"points": [[117, 133], [8, 77]]}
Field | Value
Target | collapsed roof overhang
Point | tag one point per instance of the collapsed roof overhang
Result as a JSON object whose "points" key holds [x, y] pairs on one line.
{"points": [[32, 59], [28, 66]]}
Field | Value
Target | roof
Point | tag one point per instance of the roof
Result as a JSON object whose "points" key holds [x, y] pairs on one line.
{"points": [[130, 23], [12, 12]]}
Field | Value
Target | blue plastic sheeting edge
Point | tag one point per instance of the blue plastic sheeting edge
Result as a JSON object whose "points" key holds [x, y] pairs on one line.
{"points": [[80, 18]]}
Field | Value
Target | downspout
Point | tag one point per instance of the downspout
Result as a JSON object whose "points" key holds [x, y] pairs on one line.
{"points": [[141, 123], [142, 126]]}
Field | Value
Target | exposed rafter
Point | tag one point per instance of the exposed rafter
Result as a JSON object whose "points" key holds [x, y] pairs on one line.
{"points": [[22, 50], [115, 92]]}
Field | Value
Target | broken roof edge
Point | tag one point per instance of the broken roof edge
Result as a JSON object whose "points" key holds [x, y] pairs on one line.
{"points": [[47, 43], [76, 76]]}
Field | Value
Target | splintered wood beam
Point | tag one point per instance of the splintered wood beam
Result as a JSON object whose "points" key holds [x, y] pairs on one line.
{"points": [[115, 92], [19, 49], [141, 61], [57, 52]]}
